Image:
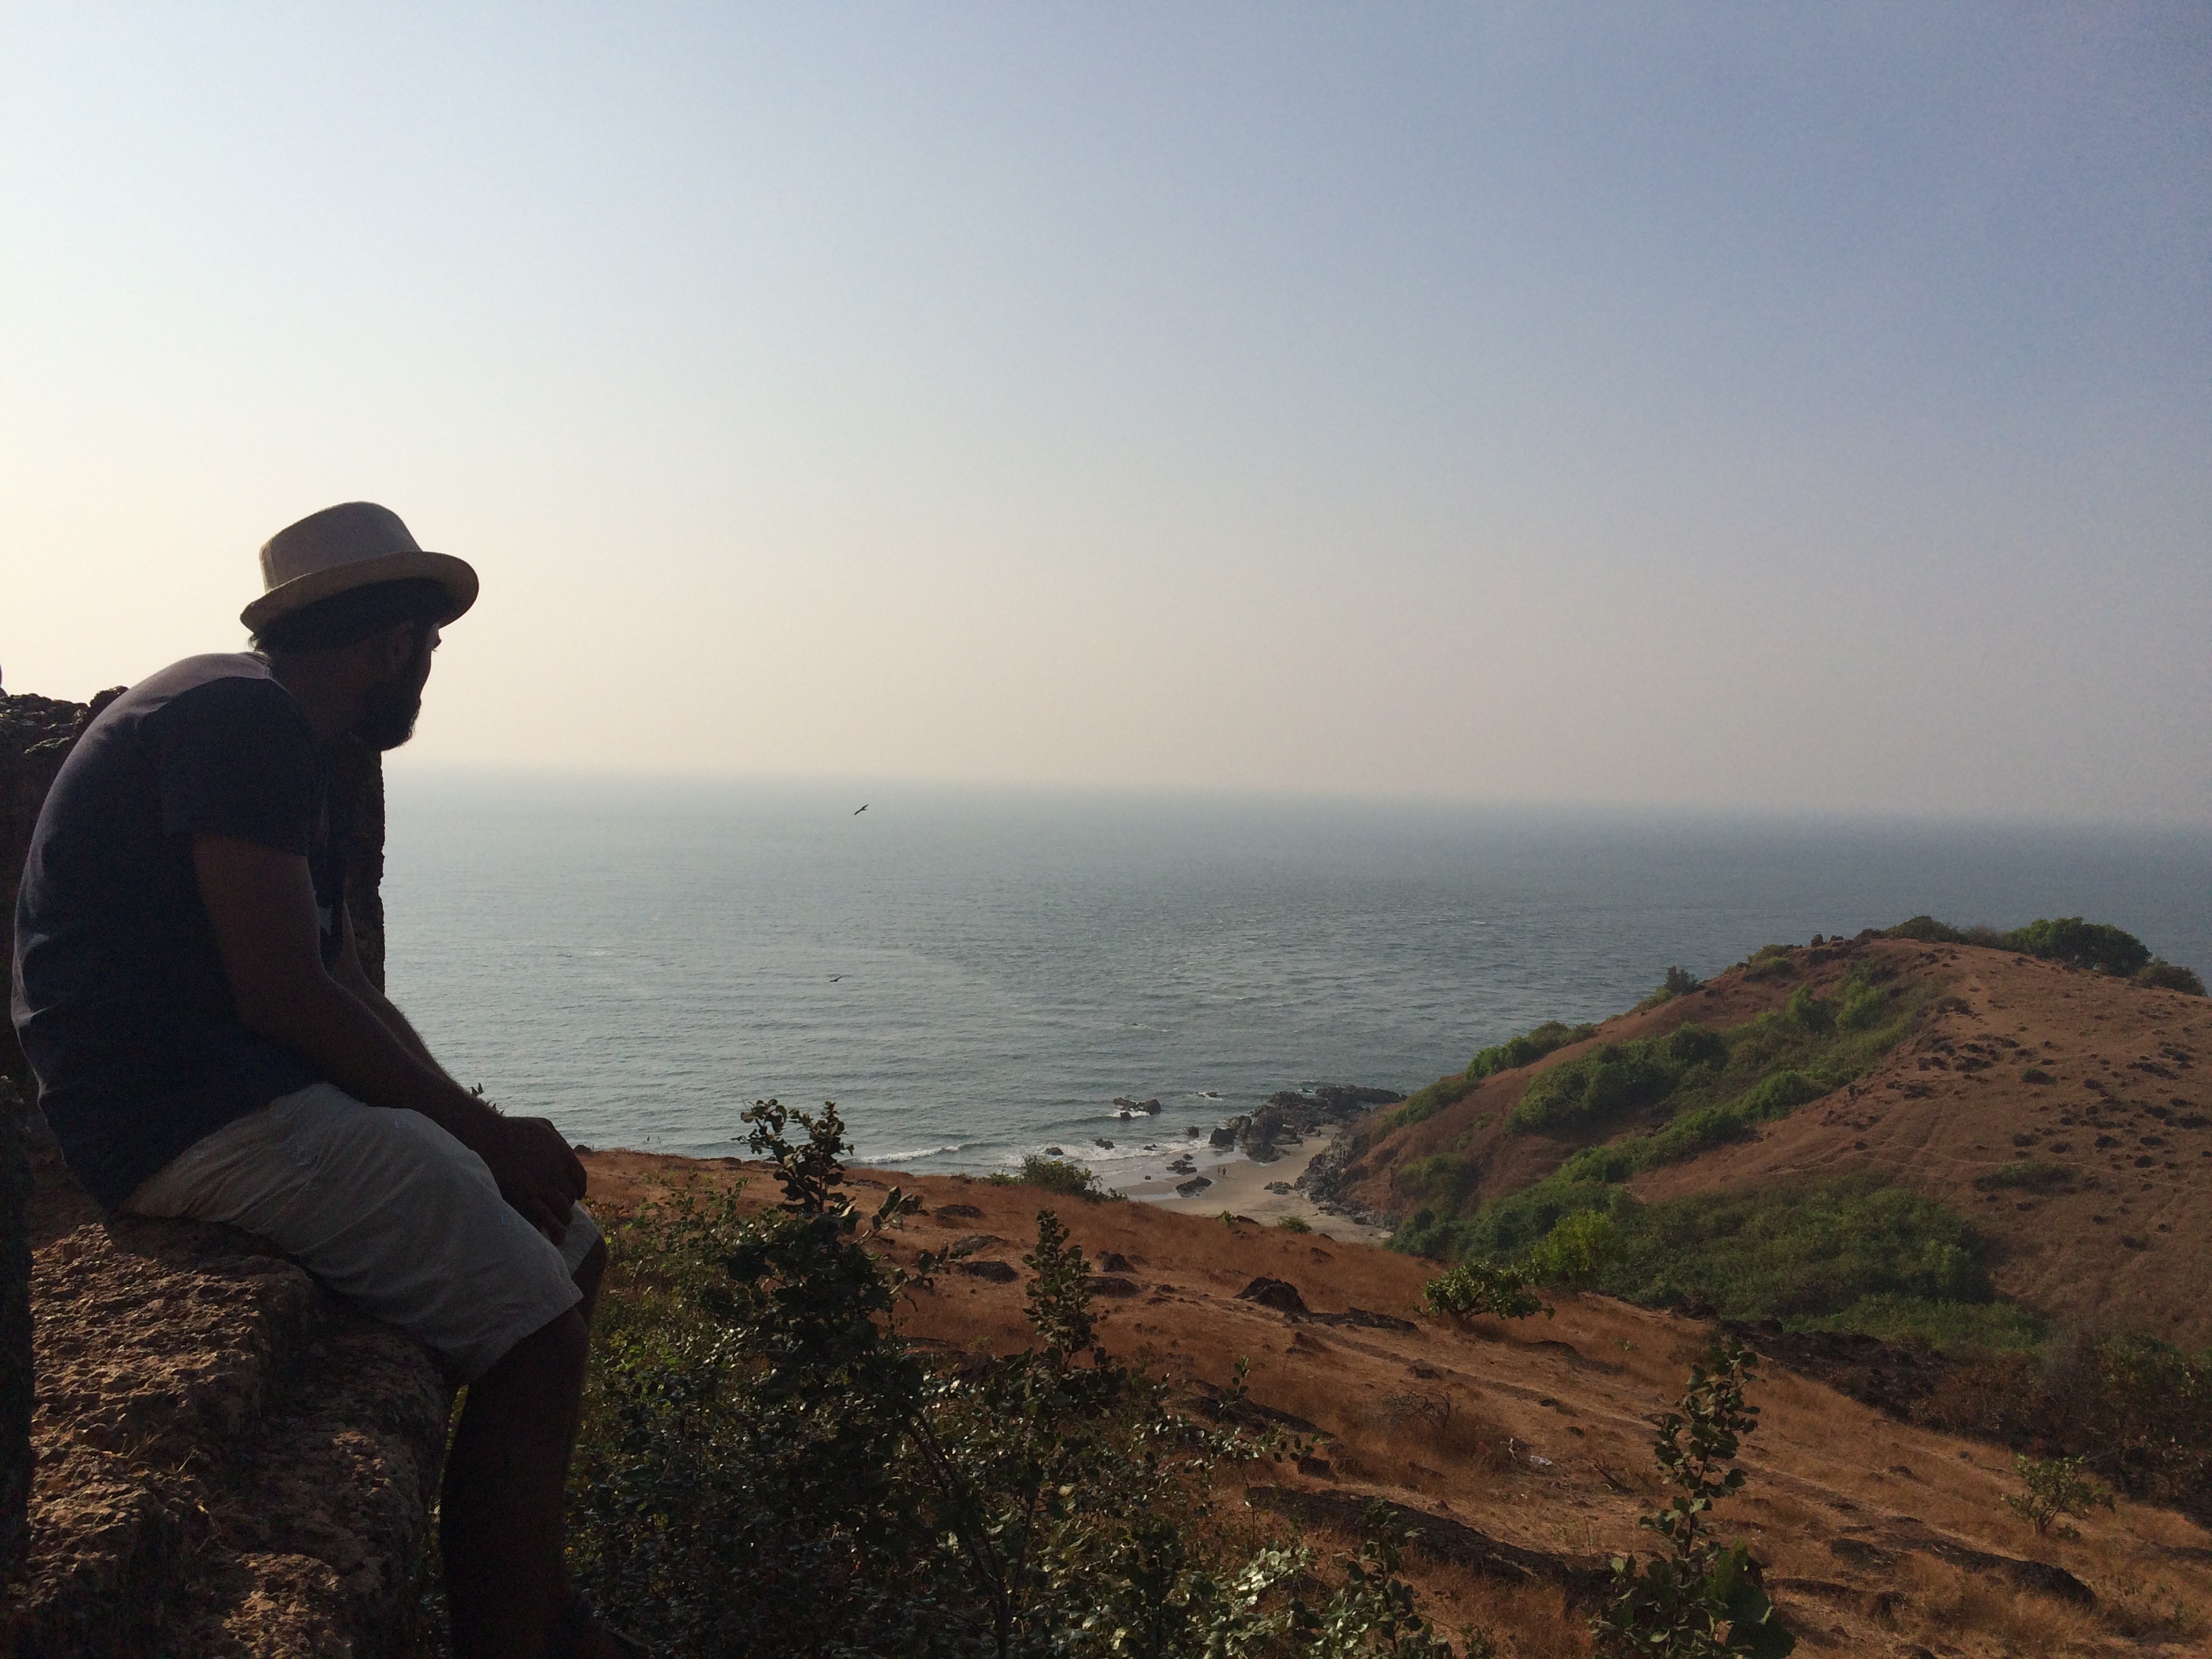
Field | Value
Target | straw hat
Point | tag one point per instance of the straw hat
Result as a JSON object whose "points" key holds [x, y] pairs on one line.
{"points": [[342, 548]]}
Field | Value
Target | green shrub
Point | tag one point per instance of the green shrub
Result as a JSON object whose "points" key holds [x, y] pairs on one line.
{"points": [[1702, 1597], [1445, 1176], [1547, 1038], [1998, 1326], [1680, 983], [1926, 930], [1773, 1253], [1474, 1288], [1293, 1224], [1577, 1250], [2167, 976], [768, 1466], [1808, 1013], [1425, 1104], [2080, 943], [1863, 1005], [1060, 1175], [2053, 1486], [1768, 962]]}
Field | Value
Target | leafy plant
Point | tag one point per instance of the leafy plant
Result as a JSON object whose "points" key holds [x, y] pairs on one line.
{"points": [[2080, 943], [768, 1466], [2169, 976], [1680, 983], [1060, 1175], [1481, 1287], [1576, 1250], [1701, 1598], [2054, 1486]]}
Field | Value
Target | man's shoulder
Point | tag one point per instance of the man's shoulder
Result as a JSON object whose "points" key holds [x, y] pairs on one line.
{"points": [[221, 685]]}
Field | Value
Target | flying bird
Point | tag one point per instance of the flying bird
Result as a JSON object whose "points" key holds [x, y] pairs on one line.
{"points": [[833, 978], [861, 808]]}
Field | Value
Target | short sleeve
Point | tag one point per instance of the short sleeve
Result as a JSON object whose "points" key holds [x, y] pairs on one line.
{"points": [[236, 758]]}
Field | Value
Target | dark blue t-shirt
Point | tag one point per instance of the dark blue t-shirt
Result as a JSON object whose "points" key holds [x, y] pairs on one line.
{"points": [[120, 997]]}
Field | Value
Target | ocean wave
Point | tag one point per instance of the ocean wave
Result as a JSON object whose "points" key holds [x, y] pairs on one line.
{"points": [[893, 1159]]}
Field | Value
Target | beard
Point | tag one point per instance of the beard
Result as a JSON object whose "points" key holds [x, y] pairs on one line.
{"points": [[389, 713]]}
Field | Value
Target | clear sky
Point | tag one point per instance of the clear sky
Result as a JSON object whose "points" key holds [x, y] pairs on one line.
{"points": [[1720, 406]]}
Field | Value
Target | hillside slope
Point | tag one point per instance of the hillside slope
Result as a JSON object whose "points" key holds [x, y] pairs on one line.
{"points": [[2067, 1116], [1523, 1452]]}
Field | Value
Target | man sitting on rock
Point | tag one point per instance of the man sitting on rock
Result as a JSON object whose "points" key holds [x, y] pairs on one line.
{"points": [[207, 1045]]}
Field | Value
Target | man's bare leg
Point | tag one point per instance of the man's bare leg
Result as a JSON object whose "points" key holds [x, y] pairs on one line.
{"points": [[500, 1526], [501, 1523]]}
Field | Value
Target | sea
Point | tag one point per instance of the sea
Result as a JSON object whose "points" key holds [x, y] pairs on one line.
{"points": [[974, 974]]}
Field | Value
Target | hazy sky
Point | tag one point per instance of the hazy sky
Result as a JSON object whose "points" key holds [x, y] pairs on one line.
{"points": [[1753, 405]]}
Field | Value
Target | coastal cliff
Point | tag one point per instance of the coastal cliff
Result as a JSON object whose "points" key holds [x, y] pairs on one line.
{"points": [[212, 1454]]}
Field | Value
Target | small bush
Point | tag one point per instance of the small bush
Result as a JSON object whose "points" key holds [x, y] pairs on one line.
{"points": [[1808, 1013], [1293, 1224], [1680, 983], [1474, 1288], [1576, 1250], [2169, 976], [1768, 962], [768, 1465], [1702, 1597], [2053, 1487], [2080, 943], [1926, 930], [1783, 1252], [1547, 1038], [1612, 1079], [1060, 1175], [2004, 1327], [1863, 1005]]}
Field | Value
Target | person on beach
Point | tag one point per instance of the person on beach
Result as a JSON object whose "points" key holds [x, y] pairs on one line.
{"points": [[188, 991]]}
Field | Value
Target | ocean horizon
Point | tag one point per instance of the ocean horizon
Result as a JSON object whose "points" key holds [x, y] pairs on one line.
{"points": [[976, 973]]}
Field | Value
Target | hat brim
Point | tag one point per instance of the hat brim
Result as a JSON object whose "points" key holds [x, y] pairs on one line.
{"points": [[454, 575]]}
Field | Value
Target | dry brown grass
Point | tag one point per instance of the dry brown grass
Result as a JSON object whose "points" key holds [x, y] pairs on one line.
{"points": [[1453, 1421]]}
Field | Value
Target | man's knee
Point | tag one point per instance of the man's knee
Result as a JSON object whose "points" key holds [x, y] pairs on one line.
{"points": [[557, 1348]]}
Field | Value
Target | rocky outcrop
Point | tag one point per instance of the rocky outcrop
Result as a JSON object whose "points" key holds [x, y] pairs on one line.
{"points": [[230, 1460], [36, 734], [1290, 1116]]}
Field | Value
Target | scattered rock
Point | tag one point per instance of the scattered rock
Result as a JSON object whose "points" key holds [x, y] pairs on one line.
{"points": [[975, 1242], [1113, 1261], [1584, 1578], [1366, 1319], [1277, 1293], [998, 1273], [1192, 1187], [1109, 1284], [958, 1212]]}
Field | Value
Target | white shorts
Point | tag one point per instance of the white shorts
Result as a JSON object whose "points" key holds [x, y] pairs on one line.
{"points": [[387, 1209]]}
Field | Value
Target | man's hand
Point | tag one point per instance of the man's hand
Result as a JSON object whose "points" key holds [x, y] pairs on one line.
{"points": [[537, 1172]]}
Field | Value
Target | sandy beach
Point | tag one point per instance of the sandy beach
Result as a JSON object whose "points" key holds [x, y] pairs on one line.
{"points": [[1240, 1187]]}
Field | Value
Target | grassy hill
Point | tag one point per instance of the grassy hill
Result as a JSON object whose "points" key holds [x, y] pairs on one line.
{"points": [[1888, 1135]]}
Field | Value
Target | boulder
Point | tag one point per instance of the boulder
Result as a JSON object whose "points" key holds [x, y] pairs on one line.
{"points": [[1277, 1293]]}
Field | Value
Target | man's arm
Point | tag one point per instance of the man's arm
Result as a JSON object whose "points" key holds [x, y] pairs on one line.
{"points": [[351, 974], [261, 903]]}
